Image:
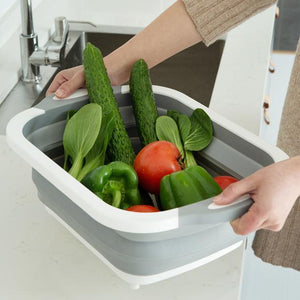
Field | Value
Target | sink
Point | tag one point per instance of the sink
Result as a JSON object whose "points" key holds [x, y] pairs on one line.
{"points": [[192, 71]]}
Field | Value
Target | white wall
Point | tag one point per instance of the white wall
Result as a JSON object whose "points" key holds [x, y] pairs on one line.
{"points": [[117, 12], [5, 5]]}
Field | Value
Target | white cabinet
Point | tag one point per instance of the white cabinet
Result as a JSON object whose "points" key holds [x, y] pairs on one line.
{"points": [[276, 89], [278, 76]]}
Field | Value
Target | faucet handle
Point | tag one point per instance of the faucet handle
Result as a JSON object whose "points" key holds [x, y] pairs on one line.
{"points": [[61, 35], [54, 52], [61, 25]]}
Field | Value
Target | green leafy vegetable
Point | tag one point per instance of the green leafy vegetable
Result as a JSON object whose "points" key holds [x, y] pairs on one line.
{"points": [[80, 135], [183, 122], [96, 155], [70, 114], [201, 131], [192, 133], [167, 130]]}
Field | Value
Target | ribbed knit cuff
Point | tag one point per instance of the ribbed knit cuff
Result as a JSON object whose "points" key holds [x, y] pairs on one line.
{"points": [[281, 248], [289, 130], [213, 18]]}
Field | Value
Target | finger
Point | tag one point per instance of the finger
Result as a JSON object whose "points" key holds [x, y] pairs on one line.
{"points": [[70, 86], [249, 222], [58, 80], [234, 191]]}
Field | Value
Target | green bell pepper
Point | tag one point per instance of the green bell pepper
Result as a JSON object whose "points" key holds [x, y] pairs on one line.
{"points": [[187, 186], [115, 183]]}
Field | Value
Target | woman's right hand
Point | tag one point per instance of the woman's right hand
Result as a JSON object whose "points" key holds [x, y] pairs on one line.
{"points": [[274, 190], [66, 82]]}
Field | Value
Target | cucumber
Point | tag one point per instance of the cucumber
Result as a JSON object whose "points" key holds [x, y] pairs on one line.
{"points": [[143, 102], [100, 92]]}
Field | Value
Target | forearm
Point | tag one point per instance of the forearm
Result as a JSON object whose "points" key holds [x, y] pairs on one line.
{"points": [[170, 33]]}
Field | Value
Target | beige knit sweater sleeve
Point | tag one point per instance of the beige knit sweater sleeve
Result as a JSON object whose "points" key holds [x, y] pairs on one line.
{"points": [[214, 18]]}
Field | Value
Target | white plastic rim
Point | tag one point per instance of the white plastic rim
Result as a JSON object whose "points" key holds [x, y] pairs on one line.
{"points": [[101, 212], [76, 94], [239, 200]]}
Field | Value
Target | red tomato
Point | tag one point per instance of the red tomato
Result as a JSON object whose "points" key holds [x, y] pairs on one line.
{"points": [[153, 162], [225, 181], [143, 208]]}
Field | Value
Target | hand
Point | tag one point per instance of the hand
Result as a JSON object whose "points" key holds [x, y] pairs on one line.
{"points": [[171, 32], [274, 190], [69, 80], [66, 82]]}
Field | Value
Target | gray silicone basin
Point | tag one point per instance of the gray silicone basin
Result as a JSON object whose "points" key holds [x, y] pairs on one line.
{"points": [[200, 233]]}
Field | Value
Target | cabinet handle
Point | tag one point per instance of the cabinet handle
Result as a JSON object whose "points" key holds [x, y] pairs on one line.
{"points": [[277, 12], [267, 101], [271, 67], [267, 118], [266, 106]]}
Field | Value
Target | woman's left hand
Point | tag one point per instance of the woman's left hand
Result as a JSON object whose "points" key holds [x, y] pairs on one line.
{"points": [[274, 190]]}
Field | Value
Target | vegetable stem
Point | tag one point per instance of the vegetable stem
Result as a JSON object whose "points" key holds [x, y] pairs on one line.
{"points": [[189, 159], [117, 197], [77, 165], [88, 167]]}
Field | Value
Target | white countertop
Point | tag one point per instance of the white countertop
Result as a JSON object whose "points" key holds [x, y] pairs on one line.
{"points": [[40, 259]]}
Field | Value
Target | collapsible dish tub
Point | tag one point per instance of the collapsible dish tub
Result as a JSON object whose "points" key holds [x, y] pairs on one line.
{"points": [[141, 248]]}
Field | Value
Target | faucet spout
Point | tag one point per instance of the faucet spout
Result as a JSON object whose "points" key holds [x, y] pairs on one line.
{"points": [[28, 43], [26, 17], [32, 57]]}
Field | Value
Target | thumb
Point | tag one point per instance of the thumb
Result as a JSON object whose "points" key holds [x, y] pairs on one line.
{"points": [[70, 86], [233, 191]]}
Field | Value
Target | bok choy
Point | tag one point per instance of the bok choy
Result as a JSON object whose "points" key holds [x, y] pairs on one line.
{"points": [[189, 134], [85, 139]]}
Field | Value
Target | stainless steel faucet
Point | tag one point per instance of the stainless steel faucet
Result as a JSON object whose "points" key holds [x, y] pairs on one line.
{"points": [[32, 56]]}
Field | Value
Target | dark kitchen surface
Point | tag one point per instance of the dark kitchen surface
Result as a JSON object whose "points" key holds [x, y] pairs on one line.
{"points": [[192, 71]]}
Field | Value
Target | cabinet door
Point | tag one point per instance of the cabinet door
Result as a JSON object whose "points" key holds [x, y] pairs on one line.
{"points": [[276, 89]]}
